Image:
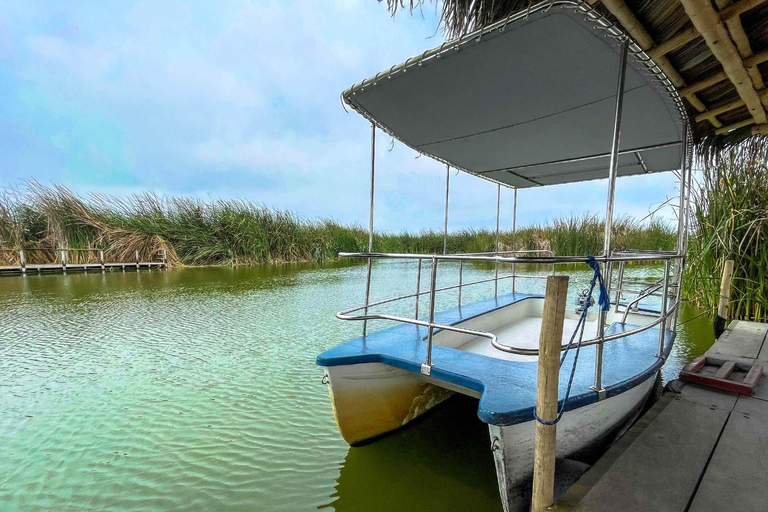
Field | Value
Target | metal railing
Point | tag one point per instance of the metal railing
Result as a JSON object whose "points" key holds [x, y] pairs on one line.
{"points": [[663, 288]]}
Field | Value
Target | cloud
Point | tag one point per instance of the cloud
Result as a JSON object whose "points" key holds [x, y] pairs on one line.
{"points": [[236, 99]]}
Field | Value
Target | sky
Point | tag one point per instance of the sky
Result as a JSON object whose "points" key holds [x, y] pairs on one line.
{"points": [[241, 99]]}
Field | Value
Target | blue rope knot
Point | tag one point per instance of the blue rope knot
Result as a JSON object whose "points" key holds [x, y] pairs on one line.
{"points": [[605, 304]]}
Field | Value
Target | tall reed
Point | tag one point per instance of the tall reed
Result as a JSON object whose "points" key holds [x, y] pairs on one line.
{"points": [[731, 222], [235, 232]]}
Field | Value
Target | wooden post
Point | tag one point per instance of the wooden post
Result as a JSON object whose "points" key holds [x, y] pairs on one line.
{"points": [[545, 442], [725, 289], [137, 260], [101, 260], [22, 262], [725, 296]]}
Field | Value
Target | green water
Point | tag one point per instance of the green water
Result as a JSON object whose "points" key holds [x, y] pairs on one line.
{"points": [[197, 390]]}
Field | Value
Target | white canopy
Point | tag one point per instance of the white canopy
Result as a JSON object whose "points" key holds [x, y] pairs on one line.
{"points": [[528, 103]]}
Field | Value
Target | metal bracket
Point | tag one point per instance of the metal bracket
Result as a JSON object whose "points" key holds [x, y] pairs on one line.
{"points": [[600, 393], [426, 369]]}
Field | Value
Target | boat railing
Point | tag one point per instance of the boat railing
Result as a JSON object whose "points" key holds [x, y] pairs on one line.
{"points": [[665, 288]]}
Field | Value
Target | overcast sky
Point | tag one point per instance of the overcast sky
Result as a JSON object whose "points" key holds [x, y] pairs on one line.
{"points": [[239, 99]]}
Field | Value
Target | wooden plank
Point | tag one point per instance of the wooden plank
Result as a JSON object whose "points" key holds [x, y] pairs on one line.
{"points": [[736, 478], [661, 469]]}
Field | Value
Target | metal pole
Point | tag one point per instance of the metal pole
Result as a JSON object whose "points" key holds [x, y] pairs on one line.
{"points": [[514, 234], [613, 169], [418, 289], [496, 264], [426, 367], [681, 224], [663, 325], [370, 226], [619, 285], [447, 189], [461, 279], [681, 210]]}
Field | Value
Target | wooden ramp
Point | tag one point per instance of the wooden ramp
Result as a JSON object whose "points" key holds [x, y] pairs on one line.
{"points": [[699, 450]]}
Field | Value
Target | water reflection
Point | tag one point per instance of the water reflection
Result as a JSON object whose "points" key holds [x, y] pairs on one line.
{"points": [[444, 458]]}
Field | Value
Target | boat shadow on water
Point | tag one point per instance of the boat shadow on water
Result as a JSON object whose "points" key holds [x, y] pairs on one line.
{"points": [[441, 461]]}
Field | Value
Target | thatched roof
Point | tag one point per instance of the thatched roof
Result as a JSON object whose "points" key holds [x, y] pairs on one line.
{"points": [[715, 52]]}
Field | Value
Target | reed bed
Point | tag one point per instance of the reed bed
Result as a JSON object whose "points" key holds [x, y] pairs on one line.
{"points": [[731, 222], [238, 232]]}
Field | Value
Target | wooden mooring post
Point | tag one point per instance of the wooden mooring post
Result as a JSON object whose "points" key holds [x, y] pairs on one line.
{"points": [[550, 339], [725, 297]]}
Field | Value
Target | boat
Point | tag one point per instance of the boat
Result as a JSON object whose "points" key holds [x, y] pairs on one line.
{"points": [[552, 95]]}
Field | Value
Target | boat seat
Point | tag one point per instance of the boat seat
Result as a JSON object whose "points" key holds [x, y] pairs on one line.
{"points": [[507, 395]]}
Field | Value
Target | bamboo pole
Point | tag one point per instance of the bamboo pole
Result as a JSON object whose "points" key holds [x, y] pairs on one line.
{"points": [[673, 43], [725, 290], [761, 129], [640, 34], [727, 107], [707, 21], [545, 442], [718, 77]]}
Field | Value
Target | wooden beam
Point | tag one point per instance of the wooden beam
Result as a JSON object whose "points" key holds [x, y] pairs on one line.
{"points": [[734, 126], [715, 78], [739, 37], [760, 129], [739, 8], [727, 107], [728, 14], [673, 43], [709, 24], [643, 38]]}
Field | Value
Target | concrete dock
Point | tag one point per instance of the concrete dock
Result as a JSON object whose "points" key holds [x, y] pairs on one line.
{"points": [[696, 450]]}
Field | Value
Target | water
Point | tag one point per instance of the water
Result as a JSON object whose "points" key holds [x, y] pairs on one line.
{"points": [[196, 389]]}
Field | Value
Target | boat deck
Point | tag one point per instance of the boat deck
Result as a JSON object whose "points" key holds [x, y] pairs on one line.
{"points": [[699, 450], [507, 389]]}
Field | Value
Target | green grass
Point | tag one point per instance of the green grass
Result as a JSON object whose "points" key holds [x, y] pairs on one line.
{"points": [[237, 232], [731, 222]]}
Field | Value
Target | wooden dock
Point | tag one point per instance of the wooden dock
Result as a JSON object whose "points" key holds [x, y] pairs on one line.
{"points": [[696, 450], [64, 263]]}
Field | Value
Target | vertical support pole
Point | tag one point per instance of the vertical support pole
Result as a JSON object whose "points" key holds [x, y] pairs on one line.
{"points": [[418, 289], [101, 260], [725, 297], [137, 260], [461, 279], [165, 259], [683, 186], [370, 227], [496, 264], [426, 367], [619, 285], [63, 260], [514, 234], [447, 190], [545, 441], [613, 169], [664, 301], [22, 262], [681, 225]]}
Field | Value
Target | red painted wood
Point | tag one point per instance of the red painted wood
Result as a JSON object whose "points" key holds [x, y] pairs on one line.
{"points": [[720, 380]]}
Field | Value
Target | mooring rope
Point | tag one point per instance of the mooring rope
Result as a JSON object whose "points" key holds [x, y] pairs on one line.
{"points": [[605, 303]]}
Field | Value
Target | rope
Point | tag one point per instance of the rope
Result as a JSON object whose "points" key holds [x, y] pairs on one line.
{"points": [[605, 303]]}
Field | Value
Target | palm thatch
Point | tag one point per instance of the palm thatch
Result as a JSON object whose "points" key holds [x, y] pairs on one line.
{"points": [[664, 22]]}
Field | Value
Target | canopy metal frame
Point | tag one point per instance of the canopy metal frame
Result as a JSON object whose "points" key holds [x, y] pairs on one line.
{"points": [[601, 23], [669, 287]]}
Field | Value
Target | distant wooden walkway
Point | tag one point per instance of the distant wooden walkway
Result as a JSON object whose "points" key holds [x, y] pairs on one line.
{"points": [[64, 264], [698, 450]]}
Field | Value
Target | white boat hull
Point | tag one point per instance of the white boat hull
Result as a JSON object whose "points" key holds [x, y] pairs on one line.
{"points": [[513, 446]]}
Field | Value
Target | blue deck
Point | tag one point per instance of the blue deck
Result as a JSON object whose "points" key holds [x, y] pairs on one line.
{"points": [[508, 388]]}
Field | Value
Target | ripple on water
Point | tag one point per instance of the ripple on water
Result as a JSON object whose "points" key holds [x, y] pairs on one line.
{"points": [[197, 390]]}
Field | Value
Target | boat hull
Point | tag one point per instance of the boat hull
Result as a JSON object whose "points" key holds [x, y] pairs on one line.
{"points": [[372, 399], [579, 429]]}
